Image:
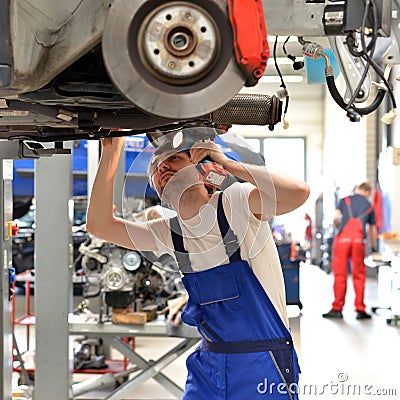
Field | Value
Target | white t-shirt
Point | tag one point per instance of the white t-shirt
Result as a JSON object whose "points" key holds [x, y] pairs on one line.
{"points": [[202, 240]]}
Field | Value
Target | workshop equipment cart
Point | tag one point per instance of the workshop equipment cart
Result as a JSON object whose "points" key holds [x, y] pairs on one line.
{"points": [[291, 273]]}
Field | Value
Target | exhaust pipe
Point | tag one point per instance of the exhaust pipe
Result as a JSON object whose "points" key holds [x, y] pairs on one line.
{"points": [[250, 109]]}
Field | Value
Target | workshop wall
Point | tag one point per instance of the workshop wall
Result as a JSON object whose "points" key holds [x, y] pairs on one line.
{"points": [[396, 144], [339, 153], [344, 155], [306, 119], [389, 168]]}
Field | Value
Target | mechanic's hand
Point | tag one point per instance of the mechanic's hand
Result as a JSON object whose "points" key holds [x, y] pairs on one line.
{"points": [[175, 307], [200, 150], [112, 144], [176, 319]]}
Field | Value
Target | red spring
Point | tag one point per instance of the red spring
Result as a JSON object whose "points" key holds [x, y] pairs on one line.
{"points": [[250, 38]]}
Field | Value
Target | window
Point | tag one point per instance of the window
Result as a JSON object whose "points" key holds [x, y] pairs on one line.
{"points": [[287, 155]]}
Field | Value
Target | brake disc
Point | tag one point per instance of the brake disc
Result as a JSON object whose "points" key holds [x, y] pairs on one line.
{"points": [[172, 59]]}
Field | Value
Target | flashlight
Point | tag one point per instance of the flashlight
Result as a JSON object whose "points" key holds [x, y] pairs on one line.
{"points": [[211, 173]]}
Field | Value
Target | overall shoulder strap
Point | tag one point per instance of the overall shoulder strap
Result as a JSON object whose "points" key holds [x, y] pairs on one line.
{"points": [[348, 204], [360, 216], [181, 254], [229, 238], [365, 213]]}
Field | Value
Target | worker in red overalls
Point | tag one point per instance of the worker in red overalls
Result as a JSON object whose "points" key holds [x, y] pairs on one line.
{"points": [[352, 216]]}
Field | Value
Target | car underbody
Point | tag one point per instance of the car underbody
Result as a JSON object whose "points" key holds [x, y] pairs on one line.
{"points": [[87, 69]]}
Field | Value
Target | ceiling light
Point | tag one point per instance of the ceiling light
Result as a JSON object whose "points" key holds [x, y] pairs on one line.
{"points": [[281, 39], [276, 79], [284, 60]]}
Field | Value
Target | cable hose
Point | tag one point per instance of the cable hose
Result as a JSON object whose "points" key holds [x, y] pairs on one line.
{"points": [[330, 80], [377, 69]]}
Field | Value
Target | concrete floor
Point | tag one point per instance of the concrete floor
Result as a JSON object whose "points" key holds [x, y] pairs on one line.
{"points": [[340, 359]]}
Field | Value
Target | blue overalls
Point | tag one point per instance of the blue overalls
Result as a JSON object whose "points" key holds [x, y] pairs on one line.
{"points": [[246, 352]]}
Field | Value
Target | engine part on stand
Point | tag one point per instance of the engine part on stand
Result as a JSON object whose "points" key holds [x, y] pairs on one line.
{"points": [[127, 278], [86, 357]]}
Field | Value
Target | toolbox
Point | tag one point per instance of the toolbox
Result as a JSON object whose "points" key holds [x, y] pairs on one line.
{"points": [[291, 274]]}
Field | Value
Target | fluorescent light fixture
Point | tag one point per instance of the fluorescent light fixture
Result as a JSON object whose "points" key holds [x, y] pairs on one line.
{"points": [[283, 60], [276, 79], [281, 39]]}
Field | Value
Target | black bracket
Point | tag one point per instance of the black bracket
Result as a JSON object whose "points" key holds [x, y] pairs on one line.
{"points": [[32, 149]]}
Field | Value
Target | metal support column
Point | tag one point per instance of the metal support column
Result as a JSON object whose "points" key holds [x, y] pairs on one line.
{"points": [[6, 264], [53, 287], [8, 151]]}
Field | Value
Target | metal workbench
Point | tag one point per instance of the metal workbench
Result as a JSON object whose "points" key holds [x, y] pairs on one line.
{"points": [[113, 334]]}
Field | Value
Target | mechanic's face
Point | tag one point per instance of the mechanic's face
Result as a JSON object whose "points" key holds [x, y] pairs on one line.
{"points": [[177, 165]]}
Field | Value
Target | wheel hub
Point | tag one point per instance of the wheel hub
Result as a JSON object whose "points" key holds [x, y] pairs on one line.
{"points": [[180, 42]]}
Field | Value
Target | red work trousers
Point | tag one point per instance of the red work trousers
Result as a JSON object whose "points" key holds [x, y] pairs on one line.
{"points": [[343, 250]]}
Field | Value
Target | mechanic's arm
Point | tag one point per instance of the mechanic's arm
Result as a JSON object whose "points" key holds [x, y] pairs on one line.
{"points": [[100, 220], [337, 218], [372, 236], [274, 194]]}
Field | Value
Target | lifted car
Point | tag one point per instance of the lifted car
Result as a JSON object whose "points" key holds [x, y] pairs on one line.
{"points": [[80, 69]]}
